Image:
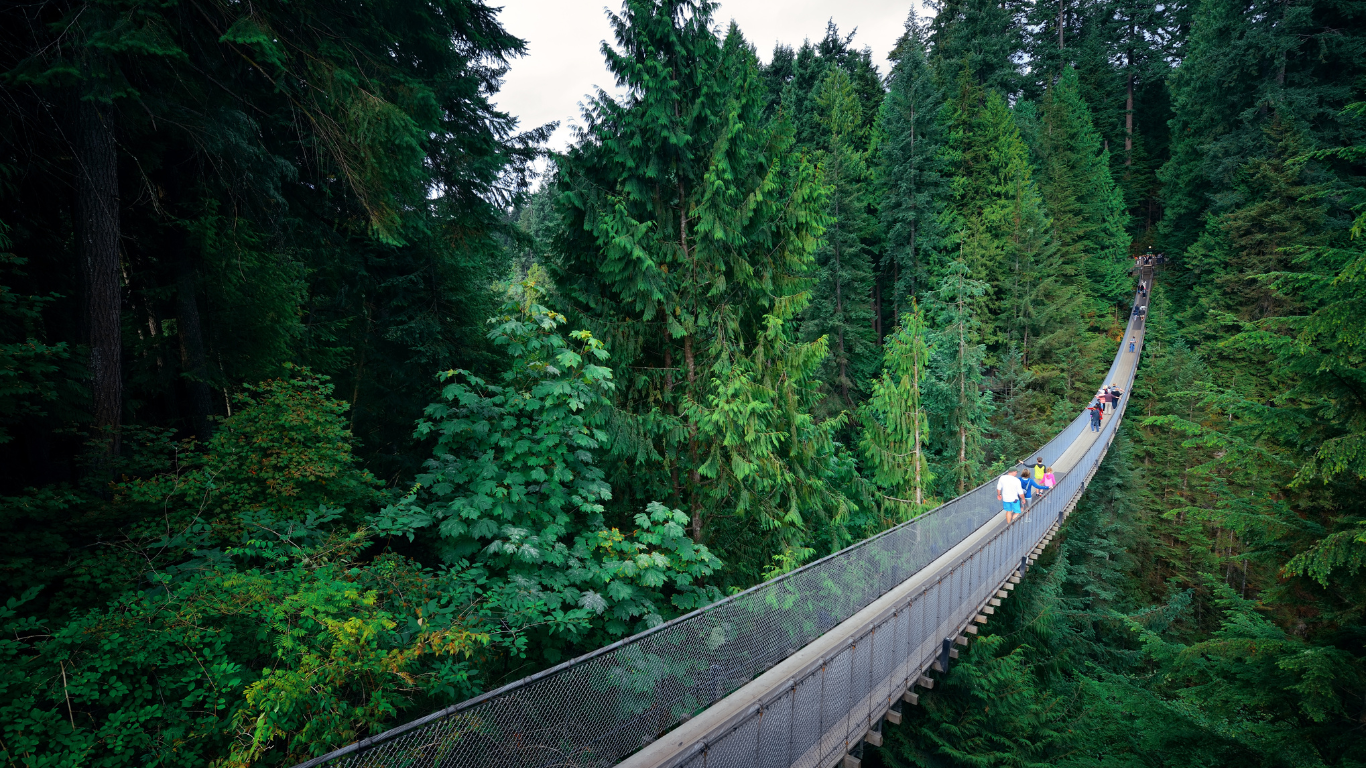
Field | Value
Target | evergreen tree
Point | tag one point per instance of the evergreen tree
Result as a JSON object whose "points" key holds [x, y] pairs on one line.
{"points": [[895, 421], [1244, 65], [841, 305], [912, 172], [983, 38], [1083, 200], [688, 246], [997, 214], [958, 398]]}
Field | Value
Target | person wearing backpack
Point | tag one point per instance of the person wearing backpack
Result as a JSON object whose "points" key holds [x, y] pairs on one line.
{"points": [[1038, 469], [1095, 411]]}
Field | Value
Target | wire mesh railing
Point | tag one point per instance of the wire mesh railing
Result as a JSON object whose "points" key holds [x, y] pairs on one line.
{"points": [[601, 707]]}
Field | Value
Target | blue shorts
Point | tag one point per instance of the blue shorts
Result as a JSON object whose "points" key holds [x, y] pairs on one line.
{"points": [[1013, 507]]}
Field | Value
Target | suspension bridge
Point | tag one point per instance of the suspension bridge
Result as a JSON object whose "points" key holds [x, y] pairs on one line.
{"points": [[801, 671]]}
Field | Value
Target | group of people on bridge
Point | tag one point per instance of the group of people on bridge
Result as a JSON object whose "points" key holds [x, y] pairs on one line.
{"points": [[1111, 395], [1016, 488]]}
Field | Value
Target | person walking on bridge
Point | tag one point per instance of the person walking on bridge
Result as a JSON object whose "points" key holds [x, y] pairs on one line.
{"points": [[1048, 479], [1039, 469], [1094, 409], [1132, 342], [1030, 486], [1008, 491]]}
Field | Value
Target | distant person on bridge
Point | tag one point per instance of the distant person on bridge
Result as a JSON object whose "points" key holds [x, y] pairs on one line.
{"points": [[1102, 397], [1009, 490], [1095, 410], [1132, 341]]}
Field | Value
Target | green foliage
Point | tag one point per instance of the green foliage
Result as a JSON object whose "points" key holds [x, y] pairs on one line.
{"points": [[896, 427], [287, 449], [958, 402], [993, 713], [690, 229], [839, 310], [981, 40], [249, 627], [514, 486], [1083, 201], [30, 369], [912, 173]]}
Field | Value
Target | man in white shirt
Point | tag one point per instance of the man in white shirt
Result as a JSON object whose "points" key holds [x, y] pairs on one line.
{"points": [[1009, 490]]}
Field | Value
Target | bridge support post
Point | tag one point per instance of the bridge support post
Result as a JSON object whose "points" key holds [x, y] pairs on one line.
{"points": [[945, 652], [1024, 564]]}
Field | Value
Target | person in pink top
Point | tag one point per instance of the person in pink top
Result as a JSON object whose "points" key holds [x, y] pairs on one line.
{"points": [[1048, 480]]}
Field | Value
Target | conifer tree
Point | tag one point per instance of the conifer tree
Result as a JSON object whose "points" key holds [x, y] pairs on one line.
{"points": [[1246, 63], [958, 398], [841, 308], [911, 171], [690, 229], [895, 420], [1083, 200], [984, 38], [997, 214]]}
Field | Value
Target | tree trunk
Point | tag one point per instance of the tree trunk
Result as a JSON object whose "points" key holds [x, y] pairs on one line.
{"points": [[1062, 7], [194, 363], [915, 213], [97, 234], [843, 360], [877, 311], [962, 393], [915, 384], [1129, 113], [694, 477]]}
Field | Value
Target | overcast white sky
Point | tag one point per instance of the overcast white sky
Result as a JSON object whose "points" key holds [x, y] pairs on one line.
{"points": [[564, 63]]}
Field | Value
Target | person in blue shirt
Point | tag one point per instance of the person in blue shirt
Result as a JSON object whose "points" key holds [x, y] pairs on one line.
{"points": [[1029, 484]]}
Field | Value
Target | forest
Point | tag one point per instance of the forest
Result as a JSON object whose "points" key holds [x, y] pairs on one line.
{"points": [[331, 396]]}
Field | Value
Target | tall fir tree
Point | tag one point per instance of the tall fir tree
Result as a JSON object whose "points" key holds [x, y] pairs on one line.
{"points": [[841, 305], [896, 427], [1083, 200], [960, 403], [983, 37], [911, 171], [997, 214], [690, 229]]}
